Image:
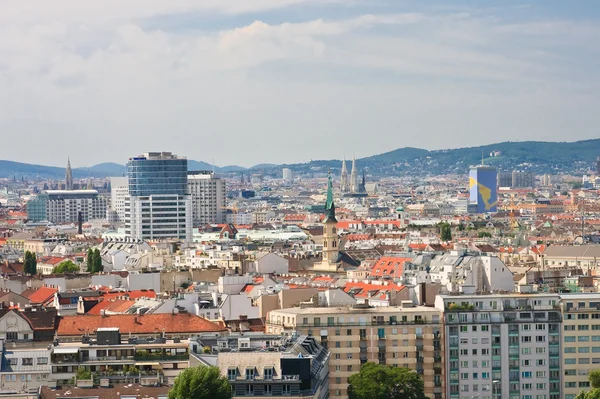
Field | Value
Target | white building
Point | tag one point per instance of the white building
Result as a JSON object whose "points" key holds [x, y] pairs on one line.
{"points": [[208, 194], [119, 190], [239, 218], [502, 346], [288, 175], [63, 206], [269, 263]]}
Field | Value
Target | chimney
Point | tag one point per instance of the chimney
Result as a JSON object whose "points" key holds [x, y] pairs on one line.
{"points": [[103, 313]]}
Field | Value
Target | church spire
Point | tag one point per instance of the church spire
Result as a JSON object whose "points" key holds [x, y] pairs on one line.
{"points": [[353, 177], [344, 177], [330, 205], [69, 176]]}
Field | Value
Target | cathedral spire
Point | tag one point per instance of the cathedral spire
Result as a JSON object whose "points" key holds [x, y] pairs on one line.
{"points": [[69, 176], [344, 177], [353, 177]]}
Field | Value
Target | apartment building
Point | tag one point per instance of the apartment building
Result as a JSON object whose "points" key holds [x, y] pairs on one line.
{"points": [[502, 346], [267, 366], [64, 206], [405, 336], [109, 357], [208, 195], [581, 341], [119, 190]]}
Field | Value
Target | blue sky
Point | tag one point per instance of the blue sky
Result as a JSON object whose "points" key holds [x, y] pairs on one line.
{"points": [[272, 81]]}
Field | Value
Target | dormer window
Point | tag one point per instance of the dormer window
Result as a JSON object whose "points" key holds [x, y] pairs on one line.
{"points": [[268, 373], [232, 373], [250, 373]]}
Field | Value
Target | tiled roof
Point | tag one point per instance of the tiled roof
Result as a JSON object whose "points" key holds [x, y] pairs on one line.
{"points": [[111, 305], [389, 266], [362, 290], [184, 323], [131, 294], [42, 295]]}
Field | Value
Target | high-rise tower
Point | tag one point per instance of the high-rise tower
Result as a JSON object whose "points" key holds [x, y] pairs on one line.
{"points": [[158, 205], [483, 183], [69, 176], [344, 177]]}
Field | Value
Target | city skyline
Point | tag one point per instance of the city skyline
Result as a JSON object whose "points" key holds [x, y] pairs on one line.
{"points": [[402, 74]]}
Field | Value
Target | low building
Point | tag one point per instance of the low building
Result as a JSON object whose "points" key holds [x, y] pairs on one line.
{"points": [[267, 366]]}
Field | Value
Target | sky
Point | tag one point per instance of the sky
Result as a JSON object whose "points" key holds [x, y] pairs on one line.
{"points": [[244, 82]]}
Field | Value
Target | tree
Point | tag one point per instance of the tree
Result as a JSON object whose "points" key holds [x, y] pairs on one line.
{"points": [[30, 265], [89, 261], [202, 382], [376, 381], [594, 378], [66, 266], [97, 261], [446, 232], [484, 234], [594, 393]]}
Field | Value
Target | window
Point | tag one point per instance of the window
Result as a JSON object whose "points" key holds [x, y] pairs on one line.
{"points": [[27, 361], [526, 339], [287, 389], [12, 335], [42, 360], [231, 374], [250, 373], [249, 389], [13, 362], [268, 373], [526, 374], [338, 344], [268, 390]]}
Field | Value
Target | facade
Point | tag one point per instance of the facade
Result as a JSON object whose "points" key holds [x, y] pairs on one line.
{"points": [[581, 341], [209, 198], [516, 179], [119, 190], [24, 370], [158, 205], [483, 188], [269, 366], [406, 336], [502, 346], [64, 206], [288, 175]]}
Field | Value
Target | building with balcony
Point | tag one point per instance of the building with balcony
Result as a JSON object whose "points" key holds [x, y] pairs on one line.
{"points": [[110, 357], [405, 336], [24, 368], [267, 366], [502, 346], [580, 341], [208, 195], [64, 206]]}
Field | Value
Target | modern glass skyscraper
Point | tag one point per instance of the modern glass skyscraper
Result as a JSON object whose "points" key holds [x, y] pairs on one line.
{"points": [[158, 205]]}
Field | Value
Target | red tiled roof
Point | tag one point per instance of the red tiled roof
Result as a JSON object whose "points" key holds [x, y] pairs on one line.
{"points": [[362, 290], [184, 323], [131, 294], [42, 295], [52, 260], [389, 266], [113, 305]]}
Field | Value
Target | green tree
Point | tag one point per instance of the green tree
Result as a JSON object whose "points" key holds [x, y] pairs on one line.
{"points": [[202, 382], [66, 266], [375, 381], [97, 261], [89, 260], [483, 234], [594, 378], [30, 264], [594, 393], [446, 232]]}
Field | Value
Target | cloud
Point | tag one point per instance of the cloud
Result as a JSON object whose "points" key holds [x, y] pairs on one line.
{"points": [[75, 77]]}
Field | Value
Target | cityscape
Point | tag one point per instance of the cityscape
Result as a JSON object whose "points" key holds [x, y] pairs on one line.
{"points": [[298, 199]]}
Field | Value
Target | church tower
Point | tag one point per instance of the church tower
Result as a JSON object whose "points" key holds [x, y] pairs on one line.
{"points": [[330, 237], [353, 177], [344, 178], [69, 176]]}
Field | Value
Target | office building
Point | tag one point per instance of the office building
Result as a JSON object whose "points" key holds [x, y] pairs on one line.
{"points": [[64, 206], [209, 198], [268, 366], [581, 341], [119, 190], [404, 336], [288, 175], [158, 205], [516, 179], [502, 346], [483, 188]]}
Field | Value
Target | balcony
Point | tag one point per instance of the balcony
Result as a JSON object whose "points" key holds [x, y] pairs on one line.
{"points": [[419, 348], [106, 359], [148, 357], [437, 359]]}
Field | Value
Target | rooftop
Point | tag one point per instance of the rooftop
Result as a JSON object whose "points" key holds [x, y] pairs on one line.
{"points": [[118, 391], [357, 310]]}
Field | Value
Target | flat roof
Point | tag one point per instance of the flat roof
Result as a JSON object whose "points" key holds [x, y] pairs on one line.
{"points": [[358, 310], [64, 351]]}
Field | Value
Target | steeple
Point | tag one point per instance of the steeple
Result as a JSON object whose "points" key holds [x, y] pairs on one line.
{"points": [[353, 177], [344, 177], [330, 205], [69, 176]]}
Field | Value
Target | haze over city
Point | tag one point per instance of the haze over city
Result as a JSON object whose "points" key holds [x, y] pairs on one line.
{"points": [[291, 80]]}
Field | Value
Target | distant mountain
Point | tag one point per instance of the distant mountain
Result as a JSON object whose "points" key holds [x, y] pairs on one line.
{"points": [[104, 169], [536, 156]]}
